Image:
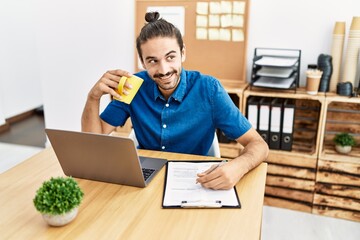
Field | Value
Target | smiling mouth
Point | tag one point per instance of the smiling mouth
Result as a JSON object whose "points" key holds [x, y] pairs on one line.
{"points": [[164, 76]]}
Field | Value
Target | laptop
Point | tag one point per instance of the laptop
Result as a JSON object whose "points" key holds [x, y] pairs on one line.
{"points": [[102, 158]]}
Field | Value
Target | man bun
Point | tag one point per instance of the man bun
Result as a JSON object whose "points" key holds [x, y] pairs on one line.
{"points": [[152, 16]]}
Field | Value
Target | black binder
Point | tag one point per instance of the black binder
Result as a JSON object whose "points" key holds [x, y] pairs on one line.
{"points": [[275, 123], [252, 111], [287, 124], [264, 118]]}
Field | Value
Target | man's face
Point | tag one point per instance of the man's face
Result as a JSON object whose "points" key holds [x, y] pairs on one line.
{"points": [[163, 62]]}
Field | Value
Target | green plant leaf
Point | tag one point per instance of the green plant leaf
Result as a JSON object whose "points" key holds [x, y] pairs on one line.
{"points": [[344, 139], [58, 196]]}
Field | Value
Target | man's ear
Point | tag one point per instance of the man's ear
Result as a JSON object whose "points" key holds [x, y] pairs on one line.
{"points": [[183, 54]]}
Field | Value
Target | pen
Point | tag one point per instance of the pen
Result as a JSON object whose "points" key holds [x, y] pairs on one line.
{"points": [[215, 167], [218, 165]]}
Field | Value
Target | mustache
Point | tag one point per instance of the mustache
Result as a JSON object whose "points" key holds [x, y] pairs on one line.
{"points": [[160, 75]]}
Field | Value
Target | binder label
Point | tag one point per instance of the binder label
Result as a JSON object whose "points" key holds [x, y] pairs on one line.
{"points": [[253, 109], [275, 119], [288, 120], [264, 118]]}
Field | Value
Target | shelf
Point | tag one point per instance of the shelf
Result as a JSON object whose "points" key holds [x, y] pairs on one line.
{"points": [[234, 86], [313, 177], [329, 153], [333, 97], [300, 93], [337, 189], [306, 123], [342, 115], [230, 150]]}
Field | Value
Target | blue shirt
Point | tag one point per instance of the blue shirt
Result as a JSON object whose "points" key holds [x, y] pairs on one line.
{"points": [[186, 122]]}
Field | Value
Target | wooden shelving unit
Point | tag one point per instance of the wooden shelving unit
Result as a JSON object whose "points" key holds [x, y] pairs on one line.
{"points": [[291, 174], [313, 177], [233, 87], [337, 188]]}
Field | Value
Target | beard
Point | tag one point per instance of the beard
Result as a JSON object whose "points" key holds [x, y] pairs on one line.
{"points": [[167, 81]]}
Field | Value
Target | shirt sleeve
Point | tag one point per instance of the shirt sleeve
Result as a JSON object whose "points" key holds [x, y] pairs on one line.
{"points": [[227, 116], [116, 113]]}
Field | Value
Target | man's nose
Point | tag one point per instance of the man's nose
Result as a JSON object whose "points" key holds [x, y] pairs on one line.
{"points": [[164, 67]]}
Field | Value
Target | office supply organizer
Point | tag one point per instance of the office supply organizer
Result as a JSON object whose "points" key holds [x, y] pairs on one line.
{"points": [[276, 68]]}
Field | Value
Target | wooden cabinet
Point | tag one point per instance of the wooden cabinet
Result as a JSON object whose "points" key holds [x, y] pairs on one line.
{"points": [[233, 87], [313, 177], [291, 175], [337, 188]]}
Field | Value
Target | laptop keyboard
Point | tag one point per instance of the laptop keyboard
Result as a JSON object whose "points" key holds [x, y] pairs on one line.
{"points": [[147, 172]]}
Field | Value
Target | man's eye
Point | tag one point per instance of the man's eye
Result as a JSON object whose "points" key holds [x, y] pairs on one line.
{"points": [[152, 61], [171, 57]]}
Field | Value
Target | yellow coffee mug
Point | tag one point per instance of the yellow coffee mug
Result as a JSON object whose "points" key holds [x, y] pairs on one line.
{"points": [[135, 82]]}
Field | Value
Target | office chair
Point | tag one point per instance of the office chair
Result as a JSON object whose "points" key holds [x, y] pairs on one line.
{"points": [[214, 150]]}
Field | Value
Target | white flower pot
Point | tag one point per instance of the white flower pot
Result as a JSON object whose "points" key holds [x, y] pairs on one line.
{"points": [[60, 220], [343, 149]]}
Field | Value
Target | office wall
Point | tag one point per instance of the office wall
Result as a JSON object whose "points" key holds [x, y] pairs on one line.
{"points": [[78, 41], [2, 117], [20, 86], [69, 44], [305, 25]]}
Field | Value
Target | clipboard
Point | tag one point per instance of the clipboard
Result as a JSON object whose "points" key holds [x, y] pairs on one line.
{"points": [[188, 194]]}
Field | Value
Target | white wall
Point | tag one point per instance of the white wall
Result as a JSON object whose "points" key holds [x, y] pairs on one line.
{"points": [[305, 25], [20, 86], [78, 41], [70, 44], [2, 116]]}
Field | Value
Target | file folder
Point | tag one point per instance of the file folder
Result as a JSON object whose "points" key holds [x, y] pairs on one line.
{"points": [[264, 118], [288, 125], [252, 110], [275, 123]]}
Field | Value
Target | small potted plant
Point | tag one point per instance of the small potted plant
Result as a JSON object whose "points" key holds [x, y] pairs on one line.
{"points": [[58, 200], [344, 142]]}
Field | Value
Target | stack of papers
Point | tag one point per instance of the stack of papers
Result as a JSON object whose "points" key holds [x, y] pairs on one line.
{"points": [[275, 72], [277, 61], [283, 83]]}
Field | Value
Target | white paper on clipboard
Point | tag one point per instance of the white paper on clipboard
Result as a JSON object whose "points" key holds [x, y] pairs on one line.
{"points": [[181, 186]]}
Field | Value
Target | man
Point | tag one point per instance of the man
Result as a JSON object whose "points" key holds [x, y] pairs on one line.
{"points": [[175, 110]]}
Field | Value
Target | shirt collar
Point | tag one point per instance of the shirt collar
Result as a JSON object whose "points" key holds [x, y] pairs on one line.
{"points": [[179, 92]]}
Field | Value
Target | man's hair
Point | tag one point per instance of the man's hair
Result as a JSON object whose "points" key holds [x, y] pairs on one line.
{"points": [[156, 27]]}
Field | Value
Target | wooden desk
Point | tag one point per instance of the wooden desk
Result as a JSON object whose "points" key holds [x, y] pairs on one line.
{"points": [[111, 211]]}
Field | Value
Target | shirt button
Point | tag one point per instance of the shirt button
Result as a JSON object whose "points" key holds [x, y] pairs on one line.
{"points": [[163, 147], [167, 105], [164, 126]]}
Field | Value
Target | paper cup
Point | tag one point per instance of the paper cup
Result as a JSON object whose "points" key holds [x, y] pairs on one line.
{"points": [[136, 84], [351, 60], [336, 53], [312, 84], [339, 28], [355, 23], [354, 33]]}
